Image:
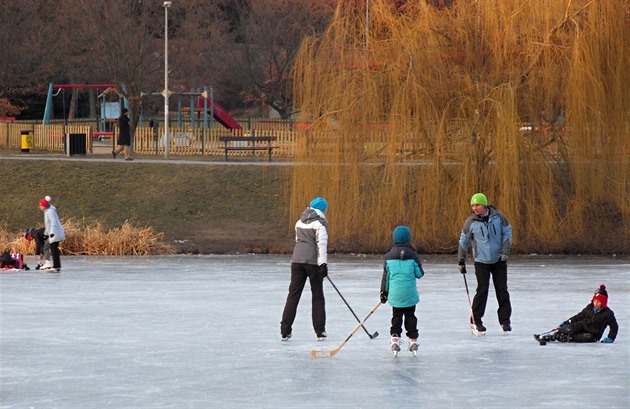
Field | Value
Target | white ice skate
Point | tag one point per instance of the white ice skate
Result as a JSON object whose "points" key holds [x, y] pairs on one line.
{"points": [[413, 346], [395, 344], [478, 330]]}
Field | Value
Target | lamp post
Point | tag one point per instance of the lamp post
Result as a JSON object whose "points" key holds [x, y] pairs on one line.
{"points": [[367, 24], [167, 5]]}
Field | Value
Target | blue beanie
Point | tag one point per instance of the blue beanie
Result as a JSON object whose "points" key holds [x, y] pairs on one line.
{"points": [[402, 234], [319, 203]]}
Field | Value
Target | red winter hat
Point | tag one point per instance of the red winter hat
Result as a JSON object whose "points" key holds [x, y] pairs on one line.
{"points": [[601, 295], [44, 203]]}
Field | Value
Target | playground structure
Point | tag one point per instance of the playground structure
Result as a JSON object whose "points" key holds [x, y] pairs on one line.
{"points": [[202, 103], [202, 109]]}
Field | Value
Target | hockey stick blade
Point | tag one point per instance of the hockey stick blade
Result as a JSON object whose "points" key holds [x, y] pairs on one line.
{"points": [[316, 353]]}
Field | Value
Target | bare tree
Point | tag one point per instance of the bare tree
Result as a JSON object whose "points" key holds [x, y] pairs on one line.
{"points": [[265, 37], [26, 44]]}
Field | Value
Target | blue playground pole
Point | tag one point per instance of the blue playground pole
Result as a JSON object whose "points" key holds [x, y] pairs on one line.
{"points": [[48, 109], [205, 107], [212, 106], [179, 111], [192, 109]]}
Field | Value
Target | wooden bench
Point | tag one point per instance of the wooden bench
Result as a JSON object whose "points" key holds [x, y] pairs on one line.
{"points": [[248, 143]]}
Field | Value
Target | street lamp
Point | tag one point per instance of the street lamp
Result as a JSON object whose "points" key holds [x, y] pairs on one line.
{"points": [[167, 5]]}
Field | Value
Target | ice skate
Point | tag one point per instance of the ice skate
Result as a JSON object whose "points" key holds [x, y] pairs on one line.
{"points": [[506, 329], [47, 267], [286, 337], [395, 344], [322, 336], [478, 330], [413, 346]]}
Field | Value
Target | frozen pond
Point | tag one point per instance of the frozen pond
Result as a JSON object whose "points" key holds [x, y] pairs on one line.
{"points": [[204, 332]]}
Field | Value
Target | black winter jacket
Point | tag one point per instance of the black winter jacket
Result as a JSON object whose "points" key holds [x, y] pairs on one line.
{"points": [[596, 322]]}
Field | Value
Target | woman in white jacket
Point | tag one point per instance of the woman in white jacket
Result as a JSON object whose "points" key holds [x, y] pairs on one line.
{"points": [[54, 232]]}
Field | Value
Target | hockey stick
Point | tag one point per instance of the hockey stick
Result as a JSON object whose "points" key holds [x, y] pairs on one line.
{"points": [[372, 336], [472, 315], [322, 354], [548, 332]]}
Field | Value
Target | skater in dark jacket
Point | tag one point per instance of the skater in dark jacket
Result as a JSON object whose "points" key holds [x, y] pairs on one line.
{"points": [[398, 286], [41, 245], [589, 324]]}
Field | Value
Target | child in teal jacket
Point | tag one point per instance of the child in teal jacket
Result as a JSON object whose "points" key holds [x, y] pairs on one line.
{"points": [[398, 286]]}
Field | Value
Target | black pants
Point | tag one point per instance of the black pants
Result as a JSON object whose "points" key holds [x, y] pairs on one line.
{"points": [[54, 251], [576, 333], [483, 272], [299, 273], [411, 322], [41, 245]]}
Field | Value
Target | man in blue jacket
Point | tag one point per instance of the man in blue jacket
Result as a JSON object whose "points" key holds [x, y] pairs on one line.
{"points": [[490, 235]]}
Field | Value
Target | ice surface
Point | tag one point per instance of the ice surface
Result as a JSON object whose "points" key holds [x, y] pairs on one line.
{"points": [[204, 332]]}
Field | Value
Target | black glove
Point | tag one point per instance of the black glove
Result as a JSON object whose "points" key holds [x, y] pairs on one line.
{"points": [[383, 297], [323, 269], [461, 266]]}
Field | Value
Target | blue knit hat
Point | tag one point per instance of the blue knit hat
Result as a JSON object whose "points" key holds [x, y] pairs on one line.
{"points": [[319, 203], [402, 234]]}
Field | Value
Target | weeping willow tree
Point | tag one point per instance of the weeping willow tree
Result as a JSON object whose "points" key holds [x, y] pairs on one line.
{"points": [[410, 110]]}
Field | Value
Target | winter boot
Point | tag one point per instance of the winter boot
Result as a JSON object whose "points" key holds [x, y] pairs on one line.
{"points": [[559, 337]]}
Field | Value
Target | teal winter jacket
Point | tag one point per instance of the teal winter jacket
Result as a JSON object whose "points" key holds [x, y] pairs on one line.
{"points": [[402, 269]]}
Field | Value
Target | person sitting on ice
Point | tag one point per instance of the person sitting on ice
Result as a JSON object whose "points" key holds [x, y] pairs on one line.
{"points": [[589, 324]]}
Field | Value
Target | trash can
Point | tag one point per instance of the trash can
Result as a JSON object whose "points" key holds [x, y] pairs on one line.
{"points": [[77, 144], [27, 142]]}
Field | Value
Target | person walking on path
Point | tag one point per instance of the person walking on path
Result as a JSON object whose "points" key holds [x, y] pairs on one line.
{"points": [[54, 233], [124, 136], [398, 286], [309, 260], [490, 234]]}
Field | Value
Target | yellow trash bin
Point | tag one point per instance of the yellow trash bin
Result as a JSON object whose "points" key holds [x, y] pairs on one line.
{"points": [[27, 141]]}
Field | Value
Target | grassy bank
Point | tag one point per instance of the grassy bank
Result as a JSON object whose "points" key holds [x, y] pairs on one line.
{"points": [[199, 208]]}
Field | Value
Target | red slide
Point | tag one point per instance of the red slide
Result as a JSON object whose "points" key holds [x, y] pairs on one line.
{"points": [[224, 118], [221, 115]]}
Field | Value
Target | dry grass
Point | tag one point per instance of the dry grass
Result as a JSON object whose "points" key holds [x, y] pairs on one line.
{"points": [[198, 208], [94, 239]]}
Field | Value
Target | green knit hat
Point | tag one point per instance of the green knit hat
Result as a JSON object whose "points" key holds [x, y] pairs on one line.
{"points": [[479, 199]]}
